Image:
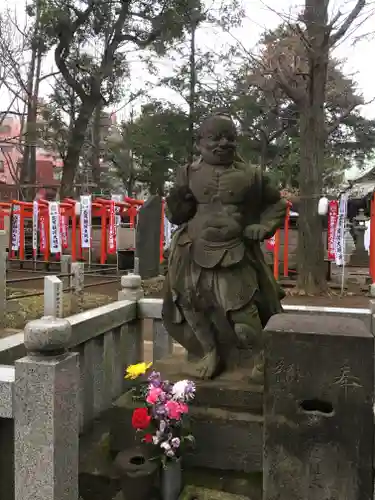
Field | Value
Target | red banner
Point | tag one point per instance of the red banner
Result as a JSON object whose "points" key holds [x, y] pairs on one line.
{"points": [[64, 231], [270, 244], [42, 234], [333, 209], [112, 229]]}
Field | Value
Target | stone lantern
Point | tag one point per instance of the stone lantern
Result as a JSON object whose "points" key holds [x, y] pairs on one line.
{"points": [[360, 257]]}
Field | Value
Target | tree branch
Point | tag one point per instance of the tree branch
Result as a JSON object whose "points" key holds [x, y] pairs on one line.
{"points": [[63, 47], [335, 37]]}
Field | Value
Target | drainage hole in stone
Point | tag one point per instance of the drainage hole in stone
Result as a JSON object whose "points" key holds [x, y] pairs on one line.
{"points": [[316, 406], [138, 460]]}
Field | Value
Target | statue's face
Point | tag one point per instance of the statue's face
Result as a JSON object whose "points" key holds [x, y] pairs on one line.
{"points": [[217, 143]]}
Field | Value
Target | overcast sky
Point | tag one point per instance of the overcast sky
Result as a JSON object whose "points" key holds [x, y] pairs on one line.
{"points": [[266, 14], [262, 15]]}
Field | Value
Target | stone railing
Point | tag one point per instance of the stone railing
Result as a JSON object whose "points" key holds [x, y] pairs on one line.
{"points": [[60, 374], [71, 372], [151, 308]]}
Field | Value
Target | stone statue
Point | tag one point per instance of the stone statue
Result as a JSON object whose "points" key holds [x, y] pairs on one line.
{"points": [[219, 292]]}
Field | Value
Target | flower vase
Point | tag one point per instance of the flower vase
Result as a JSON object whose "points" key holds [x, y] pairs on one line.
{"points": [[137, 474], [171, 480]]}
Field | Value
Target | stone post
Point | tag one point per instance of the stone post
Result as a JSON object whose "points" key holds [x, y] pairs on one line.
{"points": [[46, 414], [318, 408], [3, 275], [65, 263], [131, 287], [136, 265], [53, 297], [77, 285]]}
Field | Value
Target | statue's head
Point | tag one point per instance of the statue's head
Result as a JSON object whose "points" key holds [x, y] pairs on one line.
{"points": [[217, 140]]}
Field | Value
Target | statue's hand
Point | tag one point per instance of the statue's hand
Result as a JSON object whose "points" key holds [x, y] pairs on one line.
{"points": [[188, 196], [255, 232]]}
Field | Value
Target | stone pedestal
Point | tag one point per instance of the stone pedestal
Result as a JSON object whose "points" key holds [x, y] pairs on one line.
{"points": [[318, 414], [226, 420]]}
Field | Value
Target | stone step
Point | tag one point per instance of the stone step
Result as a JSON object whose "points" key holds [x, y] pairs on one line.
{"points": [[232, 391], [225, 439], [197, 493], [235, 483], [203, 484]]}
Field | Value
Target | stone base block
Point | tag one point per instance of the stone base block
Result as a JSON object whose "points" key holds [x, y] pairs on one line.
{"points": [[225, 419], [205, 494]]}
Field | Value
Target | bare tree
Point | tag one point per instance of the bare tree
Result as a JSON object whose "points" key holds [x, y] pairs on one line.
{"points": [[298, 63]]}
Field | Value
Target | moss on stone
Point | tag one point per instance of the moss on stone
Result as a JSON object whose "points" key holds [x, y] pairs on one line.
{"points": [[25, 309], [197, 493]]}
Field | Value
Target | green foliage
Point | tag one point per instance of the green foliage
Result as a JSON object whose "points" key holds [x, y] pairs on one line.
{"points": [[153, 145], [92, 39], [92, 42]]}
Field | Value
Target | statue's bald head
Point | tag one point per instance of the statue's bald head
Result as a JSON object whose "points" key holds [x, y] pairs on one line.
{"points": [[217, 140], [216, 123]]}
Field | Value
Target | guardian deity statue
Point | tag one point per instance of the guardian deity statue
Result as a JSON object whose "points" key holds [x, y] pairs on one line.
{"points": [[219, 292]]}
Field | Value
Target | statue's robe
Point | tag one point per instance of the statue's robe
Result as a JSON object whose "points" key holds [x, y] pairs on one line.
{"points": [[232, 270]]}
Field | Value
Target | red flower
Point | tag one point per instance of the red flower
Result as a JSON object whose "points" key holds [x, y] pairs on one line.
{"points": [[148, 438], [141, 419]]}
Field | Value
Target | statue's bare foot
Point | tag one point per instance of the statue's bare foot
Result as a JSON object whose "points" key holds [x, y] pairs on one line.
{"points": [[206, 368], [257, 372]]}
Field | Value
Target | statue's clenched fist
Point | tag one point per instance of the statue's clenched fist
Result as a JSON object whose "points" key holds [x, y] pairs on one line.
{"points": [[255, 232]]}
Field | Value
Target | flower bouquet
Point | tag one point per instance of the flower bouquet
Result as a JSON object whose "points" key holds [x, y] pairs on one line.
{"points": [[162, 422], [162, 418]]}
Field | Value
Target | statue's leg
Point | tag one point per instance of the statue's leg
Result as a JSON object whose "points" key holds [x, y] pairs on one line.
{"points": [[209, 365], [248, 328]]}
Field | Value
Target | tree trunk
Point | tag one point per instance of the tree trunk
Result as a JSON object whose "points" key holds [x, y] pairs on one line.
{"points": [[33, 133], [192, 87], [263, 150], [95, 147], [311, 268], [25, 170], [75, 145]]}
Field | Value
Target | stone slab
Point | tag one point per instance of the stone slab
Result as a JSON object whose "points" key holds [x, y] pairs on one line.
{"points": [[232, 391], [53, 296], [197, 493], [148, 237]]}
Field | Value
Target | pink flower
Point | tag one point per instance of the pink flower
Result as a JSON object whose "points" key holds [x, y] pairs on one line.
{"points": [[153, 395], [175, 409], [184, 408]]}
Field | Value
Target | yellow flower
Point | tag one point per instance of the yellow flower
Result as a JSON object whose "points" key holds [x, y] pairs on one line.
{"points": [[134, 371]]}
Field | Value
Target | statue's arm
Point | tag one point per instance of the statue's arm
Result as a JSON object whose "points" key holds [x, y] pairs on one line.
{"points": [[181, 205], [274, 207]]}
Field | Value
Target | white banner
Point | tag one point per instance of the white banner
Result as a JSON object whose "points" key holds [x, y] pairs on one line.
{"points": [[54, 227], [339, 243], [168, 232], [117, 198], [16, 228], [85, 221], [35, 227]]}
